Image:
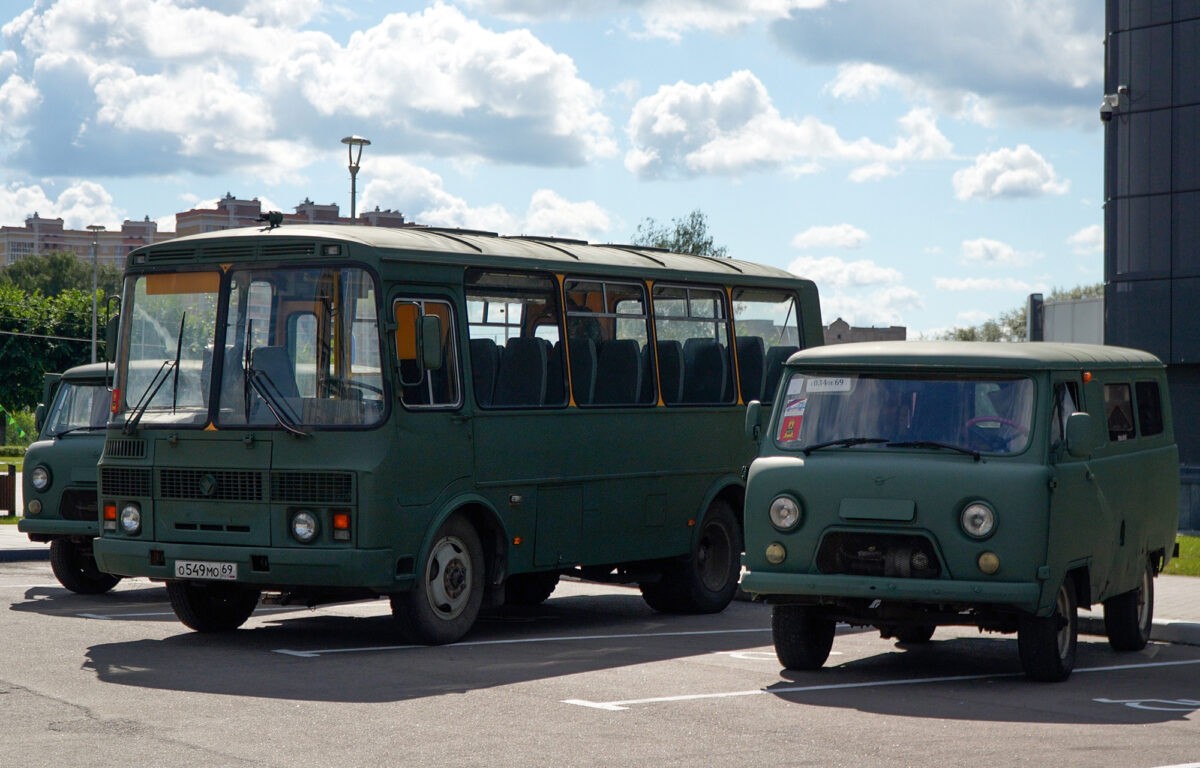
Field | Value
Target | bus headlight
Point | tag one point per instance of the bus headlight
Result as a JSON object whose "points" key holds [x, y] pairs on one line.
{"points": [[784, 513], [978, 520], [40, 478], [131, 519], [304, 526]]}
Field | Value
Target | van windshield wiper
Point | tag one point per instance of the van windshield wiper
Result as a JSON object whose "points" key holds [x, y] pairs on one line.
{"points": [[935, 444], [844, 442]]}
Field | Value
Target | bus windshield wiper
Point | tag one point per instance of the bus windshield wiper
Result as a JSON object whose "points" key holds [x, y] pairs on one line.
{"points": [[160, 378], [844, 442], [261, 383], [935, 444]]}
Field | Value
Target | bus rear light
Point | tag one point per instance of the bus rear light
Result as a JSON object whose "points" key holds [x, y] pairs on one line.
{"points": [[110, 516], [341, 526]]}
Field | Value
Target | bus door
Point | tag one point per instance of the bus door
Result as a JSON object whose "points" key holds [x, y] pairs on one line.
{"points": [[433, 435]]}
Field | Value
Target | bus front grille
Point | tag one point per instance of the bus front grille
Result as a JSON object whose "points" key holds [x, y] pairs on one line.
{"points": [[312, 487], [125, 481], [210, 484], [125, 448]]}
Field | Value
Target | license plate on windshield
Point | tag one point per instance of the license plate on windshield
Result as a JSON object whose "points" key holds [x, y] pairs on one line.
{"points": [[205, 569]]}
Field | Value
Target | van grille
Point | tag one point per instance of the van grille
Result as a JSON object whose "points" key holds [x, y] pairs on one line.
{"points": [[878, 554], [312, 487], [79, 505], [123, 448], [210, 484], [125, 481]]}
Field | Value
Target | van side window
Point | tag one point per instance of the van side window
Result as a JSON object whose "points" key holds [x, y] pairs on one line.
{"points": [[1149, 407], [1118, 411], [1066, 402]]}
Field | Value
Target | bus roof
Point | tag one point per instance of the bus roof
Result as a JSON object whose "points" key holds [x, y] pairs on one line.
{"points": [[449, 246], [1024, 356]]}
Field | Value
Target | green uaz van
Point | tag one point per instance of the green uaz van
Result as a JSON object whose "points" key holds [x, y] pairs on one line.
{"points": [[907, 485], [59, 481]]}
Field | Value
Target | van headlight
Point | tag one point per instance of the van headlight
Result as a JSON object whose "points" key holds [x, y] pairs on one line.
{"points": [[978, 520], [784, 513], [40, 478]]}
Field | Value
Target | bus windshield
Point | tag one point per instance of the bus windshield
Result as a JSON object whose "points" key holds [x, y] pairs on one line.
{"points": [[988, 414], [298, 346]]}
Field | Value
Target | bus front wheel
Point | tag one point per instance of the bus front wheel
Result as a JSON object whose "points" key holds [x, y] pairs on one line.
{"points": [[212, 607], [707, 581], [444, 603]]}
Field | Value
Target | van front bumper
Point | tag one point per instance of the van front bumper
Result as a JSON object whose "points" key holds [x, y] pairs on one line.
{"points": [[1025, 596]]}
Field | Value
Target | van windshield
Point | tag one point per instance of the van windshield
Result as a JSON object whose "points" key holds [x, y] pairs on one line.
{"points": [[978, 414]]}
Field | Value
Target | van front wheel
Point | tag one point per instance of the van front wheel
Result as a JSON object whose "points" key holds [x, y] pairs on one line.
{"points": [[75, 569], [1047, 643], [803, 638], [1129, 617]]}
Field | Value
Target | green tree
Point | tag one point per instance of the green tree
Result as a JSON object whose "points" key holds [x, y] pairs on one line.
{"points": [[52, 273], [687, 235], [1010, 325], [39, 334]]}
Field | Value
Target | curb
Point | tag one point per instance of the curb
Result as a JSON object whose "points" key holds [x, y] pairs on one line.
{"points": [[1164, 630], [24, 555]]}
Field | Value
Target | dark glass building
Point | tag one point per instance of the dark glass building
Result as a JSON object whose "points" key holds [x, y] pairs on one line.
{"points": [[1151, 113]]}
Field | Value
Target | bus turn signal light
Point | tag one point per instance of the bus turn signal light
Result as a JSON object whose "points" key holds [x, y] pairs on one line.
{"points": [[110, 516], [341, 526]]}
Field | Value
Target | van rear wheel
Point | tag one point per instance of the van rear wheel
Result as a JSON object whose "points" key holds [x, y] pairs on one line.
{"points": [[803, 638], [1047, 643], [1129, 617], [75, 569]]}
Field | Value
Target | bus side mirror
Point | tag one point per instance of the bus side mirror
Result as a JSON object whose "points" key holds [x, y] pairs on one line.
{"points": [[110, 339], [431, 342], [1081, 435], [753, 412]]}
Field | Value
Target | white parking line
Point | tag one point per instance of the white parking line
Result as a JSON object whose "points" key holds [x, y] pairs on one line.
{"points": [[119, 616], [517, 641], [618, 706]]}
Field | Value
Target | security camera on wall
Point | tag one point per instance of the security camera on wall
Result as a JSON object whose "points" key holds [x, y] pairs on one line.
{"points": [[1111, 103]]}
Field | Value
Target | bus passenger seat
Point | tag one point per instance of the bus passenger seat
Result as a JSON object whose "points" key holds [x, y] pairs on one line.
{"points": [[583, 369], [706, 369], [773, 370], [670, 370], [751, 357], [619, 372], [485, 361], [521, 379]]}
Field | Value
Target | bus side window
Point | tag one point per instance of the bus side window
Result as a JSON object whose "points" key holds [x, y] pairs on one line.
{"points": [[697, 318], [420, 387], [609, 337], [766, 322]]}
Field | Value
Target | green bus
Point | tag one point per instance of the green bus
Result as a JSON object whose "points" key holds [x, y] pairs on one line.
{"points": [[451, 419]]}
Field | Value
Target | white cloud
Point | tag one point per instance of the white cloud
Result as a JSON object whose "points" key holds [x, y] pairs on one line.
{"points": [[834, 236], [669, 19], [832, 272], [731, 127], [1018, 172], [1087, 241], [551, 214], [880, 307], [994, 253], [134, 86], [960, 284], [1037, 59], [81, 204]]}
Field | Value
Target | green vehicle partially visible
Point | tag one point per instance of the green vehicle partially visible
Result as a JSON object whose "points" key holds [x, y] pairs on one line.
{"points": [[910, 485], [59, 481]]}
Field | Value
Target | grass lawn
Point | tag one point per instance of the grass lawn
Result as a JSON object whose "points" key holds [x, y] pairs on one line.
{"points": [[1188, 562], [8, 519]]}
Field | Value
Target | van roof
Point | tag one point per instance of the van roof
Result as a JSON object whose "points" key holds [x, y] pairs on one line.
{"points": [[1034, 355], [88, 371]]}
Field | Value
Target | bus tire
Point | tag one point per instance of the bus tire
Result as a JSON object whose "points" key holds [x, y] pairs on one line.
{"points": [[803, 637], [1047, 643], [707, 581], [75, 569], [1129, 617], [529, 588], [444, 603], [212, 607]]}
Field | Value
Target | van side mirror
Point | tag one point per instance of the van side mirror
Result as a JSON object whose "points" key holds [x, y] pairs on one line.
{"points": [[1081, 435], [39, 417], [753, 412]]}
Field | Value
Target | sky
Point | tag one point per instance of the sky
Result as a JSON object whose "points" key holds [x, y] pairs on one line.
{"points": [[929, 163]]}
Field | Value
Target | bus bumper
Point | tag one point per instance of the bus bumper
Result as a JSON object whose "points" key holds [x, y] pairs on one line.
{"points": [[268, 568], [1022, 595]]}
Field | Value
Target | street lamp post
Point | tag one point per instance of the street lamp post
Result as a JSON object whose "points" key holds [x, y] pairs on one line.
{"points": [[95, 229], [351, 142]]}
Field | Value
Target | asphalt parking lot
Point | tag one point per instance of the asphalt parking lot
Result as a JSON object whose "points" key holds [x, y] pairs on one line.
{"points": [[591, 677]]}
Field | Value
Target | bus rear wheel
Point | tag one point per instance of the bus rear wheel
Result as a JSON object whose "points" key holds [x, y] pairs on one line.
{"points": [[75, 569], [529, 588], [707, 581], [444, 603], [212, 607]]}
